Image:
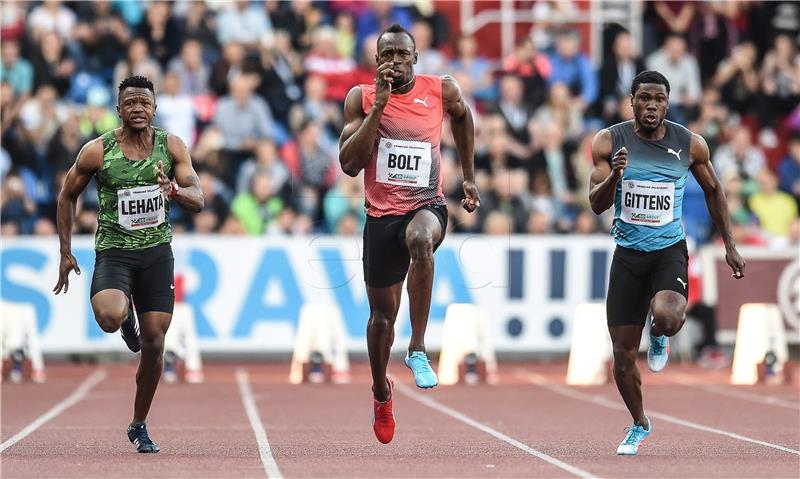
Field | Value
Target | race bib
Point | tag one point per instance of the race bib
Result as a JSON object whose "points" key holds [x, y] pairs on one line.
{"points": [[403, 163], [647, 203], [140, 207]]}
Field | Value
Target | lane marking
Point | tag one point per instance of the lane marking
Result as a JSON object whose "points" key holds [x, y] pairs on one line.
{"points": [[743, 395], [542, 382], [264, 449], [79, 393], [406, 391]]}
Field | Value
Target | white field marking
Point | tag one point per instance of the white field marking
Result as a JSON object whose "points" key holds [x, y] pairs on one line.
{"points": [[601, 401], [743, 395], [405, 390], [264, 450], [67, 403]]}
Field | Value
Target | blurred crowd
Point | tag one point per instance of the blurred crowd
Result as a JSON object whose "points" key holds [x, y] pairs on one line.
{"points": [[255, 89]]}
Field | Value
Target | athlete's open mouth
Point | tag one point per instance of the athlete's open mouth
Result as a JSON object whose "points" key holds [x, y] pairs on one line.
{"points": [[651, 117]]}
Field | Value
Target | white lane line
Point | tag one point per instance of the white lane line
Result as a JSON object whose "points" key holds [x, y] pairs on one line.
{"points": [[406, 391], [67, 403], [743, 395], [601, 401], [270, 466]]}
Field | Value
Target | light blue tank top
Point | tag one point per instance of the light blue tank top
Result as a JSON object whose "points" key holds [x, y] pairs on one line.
{"points": [[647, 205]]}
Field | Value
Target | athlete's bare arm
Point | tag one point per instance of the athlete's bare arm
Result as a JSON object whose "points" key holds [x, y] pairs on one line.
{"points": [[360, 131], [463, 127], [703, 171], [88, 162], [189, 195], [605, 175]]}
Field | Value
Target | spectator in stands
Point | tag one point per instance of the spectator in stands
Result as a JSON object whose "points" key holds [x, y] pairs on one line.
{"points": [[617, 72], [315, 107], [539, 223], [509, 195], [193, 74], [345, 34], [430, 60], [554, 159], [780, 77], [513, 108], [498, 223], [138, 62], [737, 78], [65, 144], [244, 118], [200, 24], [789, 169], [378, 17], [297, 19], [573, 68], [41, 116], [477, 67], [216, 209], [52, 64], [103, 37], [17, 209], [739, 157], [562, 110], [281, 73], [673, 17], [244, 23], [367, 66], [711, 36], [51, 16], [266, 158], [712, 119], [680, 67], [532, 67], [345, 200], [324, 59], [311, 159], [175, 110], [97, 118], [775, 209], [161, 31], [586, 223], [258, 208], [17, 71]]}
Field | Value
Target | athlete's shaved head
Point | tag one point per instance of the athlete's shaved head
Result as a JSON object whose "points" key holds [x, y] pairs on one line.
{"points": [[396, 28]]}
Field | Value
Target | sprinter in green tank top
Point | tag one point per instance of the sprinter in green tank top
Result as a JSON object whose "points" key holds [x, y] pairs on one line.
{"points": [[139, 171]]}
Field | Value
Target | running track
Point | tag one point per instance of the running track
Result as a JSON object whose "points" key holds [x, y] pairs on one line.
{"points": [[247, 421]]}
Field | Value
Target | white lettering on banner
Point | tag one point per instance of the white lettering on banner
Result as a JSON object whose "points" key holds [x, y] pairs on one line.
{"points": [[403, 163], [647, 203], [247, 293], [140, 207]]}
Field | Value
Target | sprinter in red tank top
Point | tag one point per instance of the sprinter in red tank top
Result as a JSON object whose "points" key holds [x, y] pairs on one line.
{"points": [[392, 131]]}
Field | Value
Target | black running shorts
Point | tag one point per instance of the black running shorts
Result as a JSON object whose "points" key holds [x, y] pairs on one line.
{"points": [[386, 257], [148, 275], [636, 276]]}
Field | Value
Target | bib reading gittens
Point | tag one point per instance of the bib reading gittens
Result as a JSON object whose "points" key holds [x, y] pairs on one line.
{"points": [[133, 212], [649, 197], [403, 173]]}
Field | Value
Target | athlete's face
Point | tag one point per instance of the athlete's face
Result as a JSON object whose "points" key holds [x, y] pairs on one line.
{"points": [[398, 49], [650, 104], [137, 107]]}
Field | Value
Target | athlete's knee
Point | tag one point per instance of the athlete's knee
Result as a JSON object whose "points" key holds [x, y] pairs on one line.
{"points": [[109, 318], [668, 320], [420, 243], [624, 359], [380, 321], [152, 343]]}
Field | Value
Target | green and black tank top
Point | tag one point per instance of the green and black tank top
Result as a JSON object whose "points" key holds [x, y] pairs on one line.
{"points": [[133, 212]]}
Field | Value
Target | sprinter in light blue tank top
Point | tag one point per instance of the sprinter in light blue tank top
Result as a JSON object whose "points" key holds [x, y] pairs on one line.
{"points": [[640, 167]]}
